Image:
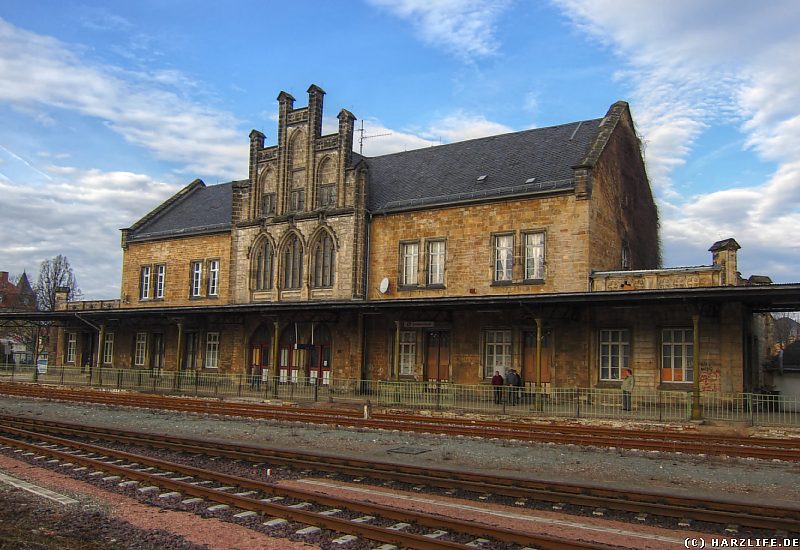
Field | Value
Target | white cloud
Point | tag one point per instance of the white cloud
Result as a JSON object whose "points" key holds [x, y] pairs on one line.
{"points": [[150, 110], [465, 28], [78, 214], [694, 65]]}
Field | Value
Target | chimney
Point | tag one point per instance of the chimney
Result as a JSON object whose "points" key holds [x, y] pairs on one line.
{"points": [[61, 298], [723, 254]]}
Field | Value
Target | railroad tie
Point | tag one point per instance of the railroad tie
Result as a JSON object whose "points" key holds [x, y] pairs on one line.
{"points": [[66, 464], [436, 534], [558, 506], [193, 500], [149, 489], [386, 547], [400, 526], [477, 543], [217, 508], [131, 483], [331, 512], [732, 529], [277, 522], [600, 512], [363, 519], [272, 499], [300, 505], [684, 522], [346, 539], [521, 502], [641, 517], [245, 515], [312, 530], [111, 478], [170, 494], [245, 493]]}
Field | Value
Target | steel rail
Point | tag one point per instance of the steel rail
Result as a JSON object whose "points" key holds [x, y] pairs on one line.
{"points": [[382, 534], [766, 448], [659, 503]]}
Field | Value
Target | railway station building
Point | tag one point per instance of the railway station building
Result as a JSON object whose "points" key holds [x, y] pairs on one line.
{"points": [[535, 250]]}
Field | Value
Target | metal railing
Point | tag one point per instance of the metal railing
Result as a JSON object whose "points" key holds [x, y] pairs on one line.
{"points": [[652, 405]]}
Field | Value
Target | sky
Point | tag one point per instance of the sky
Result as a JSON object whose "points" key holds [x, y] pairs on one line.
{"points": [[108, 108]]}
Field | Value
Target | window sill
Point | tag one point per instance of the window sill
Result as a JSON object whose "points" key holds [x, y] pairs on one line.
{"points": [[675, 386], [533, 282], [437, 286], [409, 287], [502, 283]]}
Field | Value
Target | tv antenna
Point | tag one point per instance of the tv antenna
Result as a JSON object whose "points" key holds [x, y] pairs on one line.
{"points": [[362, 137]]}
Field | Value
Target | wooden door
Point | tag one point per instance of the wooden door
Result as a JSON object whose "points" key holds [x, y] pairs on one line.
{"points": [[437, 355], [529, 357]]}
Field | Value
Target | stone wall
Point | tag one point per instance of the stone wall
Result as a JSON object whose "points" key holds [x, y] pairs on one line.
{"points": [[468, 232], [177, 254]]}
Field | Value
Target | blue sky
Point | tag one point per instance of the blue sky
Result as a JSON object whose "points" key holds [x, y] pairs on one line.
{"points": [[107, 108]]}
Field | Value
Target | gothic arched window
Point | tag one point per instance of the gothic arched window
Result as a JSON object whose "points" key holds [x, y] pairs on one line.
{"points": [[324, 262], [293, 263], [262, 267]]}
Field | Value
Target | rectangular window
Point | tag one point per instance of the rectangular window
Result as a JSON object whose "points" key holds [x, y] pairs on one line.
{"points": [[161, 278], [614, 353], [534, 256], [327, 196], [212, 350], [497, 352], [436, 259], [408, 352], [410, 262], [268, 204], [144, 283], [72, 343], [197, 279], [297, 200], [503, 257], [108, 348], [140, 350], [213, 277], [677, 355]]}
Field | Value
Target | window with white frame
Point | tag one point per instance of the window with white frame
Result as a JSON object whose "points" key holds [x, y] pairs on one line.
{"points": [[197, 279], [108, 348], [408, 352], [161, 279], [677, 355], [144, 283], [213, 277], [72, 344], [614, 353], [212, 350], [534, 256], [140, 349], [497, 352], [410, 263], [503, 257], [436, 259]]}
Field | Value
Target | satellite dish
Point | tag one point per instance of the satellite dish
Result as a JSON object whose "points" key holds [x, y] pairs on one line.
{"points": [[384, 286]]}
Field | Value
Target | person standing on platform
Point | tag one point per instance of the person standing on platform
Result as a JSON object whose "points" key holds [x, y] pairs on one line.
{"points": [[628, 382], [497, 382]]}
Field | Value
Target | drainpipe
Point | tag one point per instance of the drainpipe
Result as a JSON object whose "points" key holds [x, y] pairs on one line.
{"points": [[696, 412]]}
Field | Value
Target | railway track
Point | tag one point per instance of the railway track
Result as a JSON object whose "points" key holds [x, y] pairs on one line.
{"points": [[665, 441], [653, 503], [266, 498]]}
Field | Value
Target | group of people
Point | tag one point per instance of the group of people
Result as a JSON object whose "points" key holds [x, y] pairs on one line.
{"points": [[514, 383]]}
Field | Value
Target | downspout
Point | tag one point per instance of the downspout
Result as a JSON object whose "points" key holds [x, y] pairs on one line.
{"points": [[362, 325]]}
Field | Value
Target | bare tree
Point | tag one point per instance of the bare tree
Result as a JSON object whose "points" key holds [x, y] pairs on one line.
{"points": [[55, 274]]}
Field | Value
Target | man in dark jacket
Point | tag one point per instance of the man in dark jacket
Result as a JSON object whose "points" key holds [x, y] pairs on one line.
{"points": [[497, 382]]}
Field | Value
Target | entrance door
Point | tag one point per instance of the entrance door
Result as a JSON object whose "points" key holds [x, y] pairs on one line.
{"points": [[437, 355], [289, 358], [319, 361], [529, 357], [260, 352]]}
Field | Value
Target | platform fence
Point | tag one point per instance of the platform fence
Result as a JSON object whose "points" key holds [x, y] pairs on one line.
{"points": [[651, 405]]}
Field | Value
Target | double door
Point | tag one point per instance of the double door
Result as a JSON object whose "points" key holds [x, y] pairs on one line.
{"points": [[437, 355]]}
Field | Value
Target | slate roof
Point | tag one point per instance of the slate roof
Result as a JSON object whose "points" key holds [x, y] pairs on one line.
{"points": [[200, 209], [449, 173]]}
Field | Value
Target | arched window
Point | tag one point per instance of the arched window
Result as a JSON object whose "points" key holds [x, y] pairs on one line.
{"points": [[293, 263], [262, 267], [324, 262], [326, 183]]}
